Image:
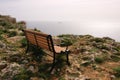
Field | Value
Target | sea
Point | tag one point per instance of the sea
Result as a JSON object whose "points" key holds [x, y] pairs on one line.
{"points": [[95, 28]]}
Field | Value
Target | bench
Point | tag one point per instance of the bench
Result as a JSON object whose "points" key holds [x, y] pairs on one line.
{"points": [[44, 41]]}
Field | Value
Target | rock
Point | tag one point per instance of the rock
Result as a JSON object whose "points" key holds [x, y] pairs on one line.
{"points": [[3, 65], [85, 63], [25, 61], [11, 70], [15, 57], [2, 45], [112, 77], [33, 68]]}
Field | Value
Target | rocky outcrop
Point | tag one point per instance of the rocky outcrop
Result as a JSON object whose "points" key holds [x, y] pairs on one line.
{"points": [[7, 18]]}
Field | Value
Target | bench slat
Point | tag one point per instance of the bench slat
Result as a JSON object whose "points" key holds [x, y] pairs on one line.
{"points": [[31, 40], [41, 40], [43, 46], [37, 33]]}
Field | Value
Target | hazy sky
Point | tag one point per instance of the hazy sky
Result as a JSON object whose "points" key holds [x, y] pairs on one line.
{"points": [[96, 17], [61, 10]]}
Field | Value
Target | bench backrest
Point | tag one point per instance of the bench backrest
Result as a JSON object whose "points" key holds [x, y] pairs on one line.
{"points": [[39, 39]]}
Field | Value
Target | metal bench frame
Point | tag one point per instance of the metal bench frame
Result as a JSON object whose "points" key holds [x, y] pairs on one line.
{"points": [[49, 43]]}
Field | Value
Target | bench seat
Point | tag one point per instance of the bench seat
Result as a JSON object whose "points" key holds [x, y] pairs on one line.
{"points": [[59, 49]]}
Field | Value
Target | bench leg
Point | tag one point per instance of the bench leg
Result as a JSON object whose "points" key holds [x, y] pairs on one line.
{"points": [[67, 56], [67, 60], [53, 64]]}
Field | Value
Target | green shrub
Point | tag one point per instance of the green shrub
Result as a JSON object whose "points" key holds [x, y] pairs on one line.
{"points": [[37, 53], [3, 23], [105, 47], [43, 68], [61, 78], [1, 32], [117, 71], [115, 58], [86, 58], [23, 42], [22, 34], [7, 25], [97, 40], [5, 31], [1, 37], [64, 35], [12, 33], [117, 53], [99, 60], [66, 42], [61, 60], [101, 46], [23, 75]]}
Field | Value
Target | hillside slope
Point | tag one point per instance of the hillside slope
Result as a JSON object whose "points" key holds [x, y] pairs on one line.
{"points": [[91, 58]]}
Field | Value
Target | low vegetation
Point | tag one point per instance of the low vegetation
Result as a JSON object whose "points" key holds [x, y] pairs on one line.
{"points": [[23, 42], [117, 71], [99, 60], [91, 58]]}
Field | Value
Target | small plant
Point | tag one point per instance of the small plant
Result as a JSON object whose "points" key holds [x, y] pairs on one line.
{"points": [[117, 53], [93, 50], [86, 58], [43, 68], [115, 58], [117, 71], [38, 53], [97, 40], [23, 75], [5, 31], [1, 31], [1, 37], [62, 78], [66, 42], [61, 59], [23, 42], [99, 60], [105, 47], [12, 33], [64, 35], [22, 34], [7, 24]]}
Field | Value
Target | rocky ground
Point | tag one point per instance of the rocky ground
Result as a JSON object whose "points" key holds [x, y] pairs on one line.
{"points": [[91, 58]]}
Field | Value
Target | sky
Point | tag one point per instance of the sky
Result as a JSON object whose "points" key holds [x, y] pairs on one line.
{"points": [[61, 10], [96, 17]]}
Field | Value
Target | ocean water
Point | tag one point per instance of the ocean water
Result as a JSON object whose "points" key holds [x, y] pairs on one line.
{"points": [[95, 28]]}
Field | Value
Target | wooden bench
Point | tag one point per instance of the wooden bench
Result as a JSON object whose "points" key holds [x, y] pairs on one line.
{"points": [[45, 41]]}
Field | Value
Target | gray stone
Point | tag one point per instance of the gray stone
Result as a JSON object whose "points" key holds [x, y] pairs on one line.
{"points": [[3, 65], [11, 70], [2, 45]]}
